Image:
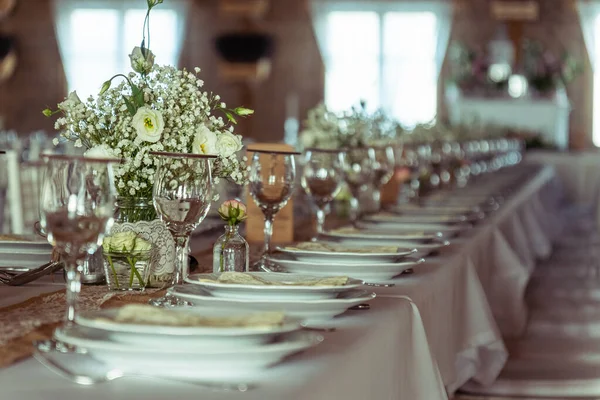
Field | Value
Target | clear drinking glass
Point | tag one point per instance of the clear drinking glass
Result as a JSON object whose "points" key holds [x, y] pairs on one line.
{"points": [[182, 195], [272, 180], [322, 179], [76, 210], [383, 170], [357, 163]]}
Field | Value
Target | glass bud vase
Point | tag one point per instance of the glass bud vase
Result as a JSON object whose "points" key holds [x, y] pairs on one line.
{"points": [[231, 252]]}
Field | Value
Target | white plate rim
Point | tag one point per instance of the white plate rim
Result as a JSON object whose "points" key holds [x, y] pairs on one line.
{"points": [[275, 288], [290, 324]]}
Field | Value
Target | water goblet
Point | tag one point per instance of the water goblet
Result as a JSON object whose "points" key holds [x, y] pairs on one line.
{"points": [[272, 180], [357, 164], [182, 194], [76, 212], [383, 170], [321, 180]]}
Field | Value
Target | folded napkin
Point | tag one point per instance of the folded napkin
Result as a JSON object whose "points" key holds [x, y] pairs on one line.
{"points": [[240, 278], [149, 315], [332, 248]]}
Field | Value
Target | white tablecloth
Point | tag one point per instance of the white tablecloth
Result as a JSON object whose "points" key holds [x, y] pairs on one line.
{"points": [[377, 354], [466, 297]]}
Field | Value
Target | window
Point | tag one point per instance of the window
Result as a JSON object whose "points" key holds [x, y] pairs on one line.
{"points": [[390, 58], [96, 38]]}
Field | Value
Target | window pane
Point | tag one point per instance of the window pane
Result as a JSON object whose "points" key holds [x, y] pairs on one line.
{"points": [[410, 79], [409, 34], [352, 60], [163, 28], [349, 82]]}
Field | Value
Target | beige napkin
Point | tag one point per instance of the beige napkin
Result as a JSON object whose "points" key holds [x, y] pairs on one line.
{"points": [[149, 315], [240, 278], [331, 248]]}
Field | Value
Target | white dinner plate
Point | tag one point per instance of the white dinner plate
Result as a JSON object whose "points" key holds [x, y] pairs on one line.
{"points": [[209, 364], [210, 336], [369, 232], [24, 251], [370, 272], [284, 290], [310, 311], [347, 257], [444, 219], [446, 231], [423, 248]]}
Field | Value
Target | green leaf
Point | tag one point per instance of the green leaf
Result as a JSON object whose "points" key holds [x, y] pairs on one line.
{"points": [[130, 107], [230, 116], [243, 111], [47, 112], [137, 95]]}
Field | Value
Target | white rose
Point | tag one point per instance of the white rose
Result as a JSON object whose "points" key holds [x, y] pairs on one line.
{"points": [[100, 151], [139, 63], [149, 124], [71, 101], [228, 144], [205, 141]]}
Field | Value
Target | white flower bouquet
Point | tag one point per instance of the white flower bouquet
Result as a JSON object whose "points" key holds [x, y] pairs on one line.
{"points": [[355, 128], [153, 108]]}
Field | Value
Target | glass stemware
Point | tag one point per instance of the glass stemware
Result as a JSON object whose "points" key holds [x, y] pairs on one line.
{"points": [[357, 163], [272, 181], [76, 211], [182, 195], [383, 170], [321, 180]]}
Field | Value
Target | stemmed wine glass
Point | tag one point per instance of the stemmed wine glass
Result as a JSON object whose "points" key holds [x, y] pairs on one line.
{"points": [[272, 181], [357, 163], [182, 195], [321, 179], [383, 170], [76, 211]]}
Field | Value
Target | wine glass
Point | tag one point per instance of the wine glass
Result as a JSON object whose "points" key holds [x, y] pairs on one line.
{"points": [[76, 211], [182, 195], [272, 181], [321, 179], [357, 163], [383, 170]]}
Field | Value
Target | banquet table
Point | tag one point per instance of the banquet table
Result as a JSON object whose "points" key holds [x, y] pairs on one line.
{"points": [[423, 338]]}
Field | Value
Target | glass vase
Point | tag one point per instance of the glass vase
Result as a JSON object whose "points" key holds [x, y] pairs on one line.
{"points": [[231, 252], [138, 214], [127, 271]]}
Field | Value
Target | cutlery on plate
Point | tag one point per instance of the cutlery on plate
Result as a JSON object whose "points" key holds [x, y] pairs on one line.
{"points": [[379, 284], [31, 275], [43, 349], [362, 306]]}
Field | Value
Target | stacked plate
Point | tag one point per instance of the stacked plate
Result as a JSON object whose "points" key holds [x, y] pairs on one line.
{"points": [[23, 251], [310, 298], [369, 263], [217, 346], [425, 241]]}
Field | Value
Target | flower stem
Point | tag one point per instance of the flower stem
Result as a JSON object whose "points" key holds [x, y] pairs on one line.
{"points": [[112, 267]]}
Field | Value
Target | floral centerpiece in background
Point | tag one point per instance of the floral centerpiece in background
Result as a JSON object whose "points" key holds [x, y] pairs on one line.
{"points": [[152, 108], [544, 71]]}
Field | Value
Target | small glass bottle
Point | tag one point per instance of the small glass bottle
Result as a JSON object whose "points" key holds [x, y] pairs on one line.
{"points": [[231, 252]]}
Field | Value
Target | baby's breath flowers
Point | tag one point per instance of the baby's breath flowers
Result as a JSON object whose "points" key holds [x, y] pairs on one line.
{"points": [[153, 108]]}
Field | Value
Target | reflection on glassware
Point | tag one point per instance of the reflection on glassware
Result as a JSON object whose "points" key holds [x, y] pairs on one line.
{"points": [[272, 180], [357, 164], [76, 210], [321, 180], [383, 170], [182, 195]]}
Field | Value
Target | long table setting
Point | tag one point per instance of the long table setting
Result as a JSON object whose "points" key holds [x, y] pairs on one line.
{"points": [[409, 298]]}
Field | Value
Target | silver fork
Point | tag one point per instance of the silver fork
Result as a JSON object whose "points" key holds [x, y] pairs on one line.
{"points": [[43, 349]]}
